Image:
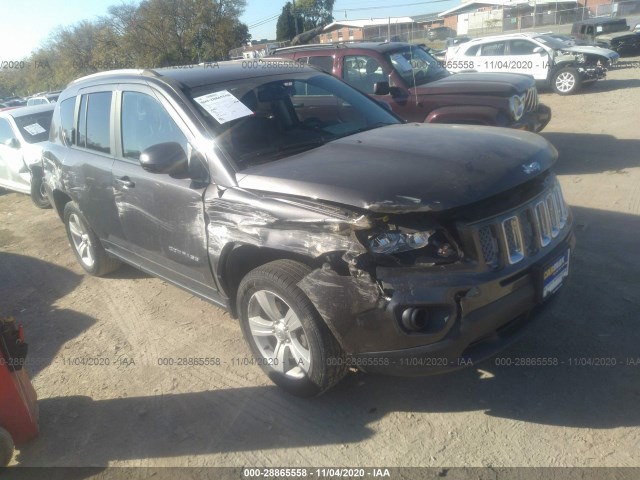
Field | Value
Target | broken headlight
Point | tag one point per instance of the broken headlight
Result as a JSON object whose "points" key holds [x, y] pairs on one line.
{"points": [[516, 106], [395, 241]]}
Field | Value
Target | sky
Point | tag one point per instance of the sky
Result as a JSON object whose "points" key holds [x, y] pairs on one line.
{"points": [[26, 24]]}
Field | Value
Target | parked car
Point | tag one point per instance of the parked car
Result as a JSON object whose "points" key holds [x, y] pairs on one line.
{"points": [[340, 236], [548, 60], [611, 33], [418, 89], [440, 33], [22, 131], [51, 97], [12, 103], [637, 28]]}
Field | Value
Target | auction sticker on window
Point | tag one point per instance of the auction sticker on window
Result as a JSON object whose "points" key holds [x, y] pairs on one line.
{"points": [[223, 106], [34, 129], [554, 273]]}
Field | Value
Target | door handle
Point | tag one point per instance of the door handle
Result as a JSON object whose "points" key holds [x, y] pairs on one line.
{"points": [[125, 182]]}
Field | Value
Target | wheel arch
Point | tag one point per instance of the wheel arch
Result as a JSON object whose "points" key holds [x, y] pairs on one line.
{"points": [[60, 199], [238, 259]]}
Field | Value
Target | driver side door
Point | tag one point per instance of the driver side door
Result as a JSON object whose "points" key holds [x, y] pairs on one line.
{"points": [[162, 215]]}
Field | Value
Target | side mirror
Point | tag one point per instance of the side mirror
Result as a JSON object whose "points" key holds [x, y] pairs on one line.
{"points": [[381, 88], [538, 50], [167, 157], [12, 143]]}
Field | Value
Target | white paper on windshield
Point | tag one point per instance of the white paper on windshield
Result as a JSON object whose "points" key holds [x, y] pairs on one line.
{"points": [[34, 129], [402, 62], [598, 28], [223, 106]]}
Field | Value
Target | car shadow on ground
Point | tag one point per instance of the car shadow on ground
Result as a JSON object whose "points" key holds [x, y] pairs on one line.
{"points": [[29, 288], [590, 153], [609, 85], [591, 330]]}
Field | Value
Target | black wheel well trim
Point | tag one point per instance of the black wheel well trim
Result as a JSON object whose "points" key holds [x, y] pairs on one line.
{"points": [[60, 199], [238, 259]]}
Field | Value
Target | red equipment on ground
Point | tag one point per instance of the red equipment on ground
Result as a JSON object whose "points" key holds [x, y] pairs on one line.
{"points": [[18, 399]]}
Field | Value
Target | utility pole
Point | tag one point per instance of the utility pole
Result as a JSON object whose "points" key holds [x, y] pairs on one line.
{"points": [[295, 17], [389, 31]]}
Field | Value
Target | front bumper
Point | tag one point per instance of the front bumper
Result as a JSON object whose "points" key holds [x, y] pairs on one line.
{"points": [[535, 121], [472, 314]]}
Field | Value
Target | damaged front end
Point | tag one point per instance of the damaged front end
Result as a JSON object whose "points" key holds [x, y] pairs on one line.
{"points": [[591, 65], [408, 283]]}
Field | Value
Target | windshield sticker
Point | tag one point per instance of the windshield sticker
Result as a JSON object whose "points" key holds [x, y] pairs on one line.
{"points": [[599, 28], [34, 129], [223, 106], [402, 62]]}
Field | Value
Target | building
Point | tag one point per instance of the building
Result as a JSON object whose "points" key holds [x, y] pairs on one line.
{"points": [[479, 17], [374, 29]]}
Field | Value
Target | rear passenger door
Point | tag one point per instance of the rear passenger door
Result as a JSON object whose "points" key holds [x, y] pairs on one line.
{"points": [[88, 163], [162, 215], [491, 57]]}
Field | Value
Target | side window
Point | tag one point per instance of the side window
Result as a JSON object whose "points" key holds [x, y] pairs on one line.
{"points": [[521, 47], [362, 72], [583, 29], [589, 30], [492, 49], [324, 63], [94, 124], [67, 109], [145, 123], [6, 133], [472, 51]]}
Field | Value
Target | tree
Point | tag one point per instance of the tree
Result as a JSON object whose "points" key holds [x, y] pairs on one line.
{"points": [[316, 13], [286, 26], [154, 33]]}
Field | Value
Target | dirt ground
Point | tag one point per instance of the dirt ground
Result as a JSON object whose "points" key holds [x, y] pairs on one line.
{"points": [[136, 412]]}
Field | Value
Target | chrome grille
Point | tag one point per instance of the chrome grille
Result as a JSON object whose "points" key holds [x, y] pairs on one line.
{"points": [[531, 100], [524, 231], [513, 239]]}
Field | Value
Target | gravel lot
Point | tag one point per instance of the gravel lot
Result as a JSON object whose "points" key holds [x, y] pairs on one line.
{"points": [[135, 412]]}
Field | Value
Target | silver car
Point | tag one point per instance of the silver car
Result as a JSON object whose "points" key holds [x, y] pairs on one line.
{"points": [[22, 130]]}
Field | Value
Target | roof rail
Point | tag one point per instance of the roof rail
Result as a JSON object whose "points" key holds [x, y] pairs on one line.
{"points": [[107, 73], [314, 46]]}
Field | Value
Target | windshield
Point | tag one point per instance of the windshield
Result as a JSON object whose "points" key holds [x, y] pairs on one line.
{"points": [[262, 119], [35, 128], [416, 66], [551, 42]]}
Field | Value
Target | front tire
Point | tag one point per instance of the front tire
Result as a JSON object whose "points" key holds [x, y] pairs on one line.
{"points": [[566, 81], [38, 193], [286, 334], [85, 243]]}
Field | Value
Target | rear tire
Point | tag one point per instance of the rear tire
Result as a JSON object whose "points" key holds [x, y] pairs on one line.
{"points": [[285, 333], [86, 245], [566, 81], [38, 194], [6, 447]]}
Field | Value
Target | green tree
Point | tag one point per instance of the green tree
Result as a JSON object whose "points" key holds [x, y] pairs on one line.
{"points": [[286, 26], [316, 13]]}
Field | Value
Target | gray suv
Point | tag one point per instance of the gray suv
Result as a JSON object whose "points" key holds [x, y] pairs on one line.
{"points": [[338, 235]]}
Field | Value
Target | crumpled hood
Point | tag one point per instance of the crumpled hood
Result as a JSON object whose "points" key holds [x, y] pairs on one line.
{"points": [[482, 83], [605, 52], [405, 168]]}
